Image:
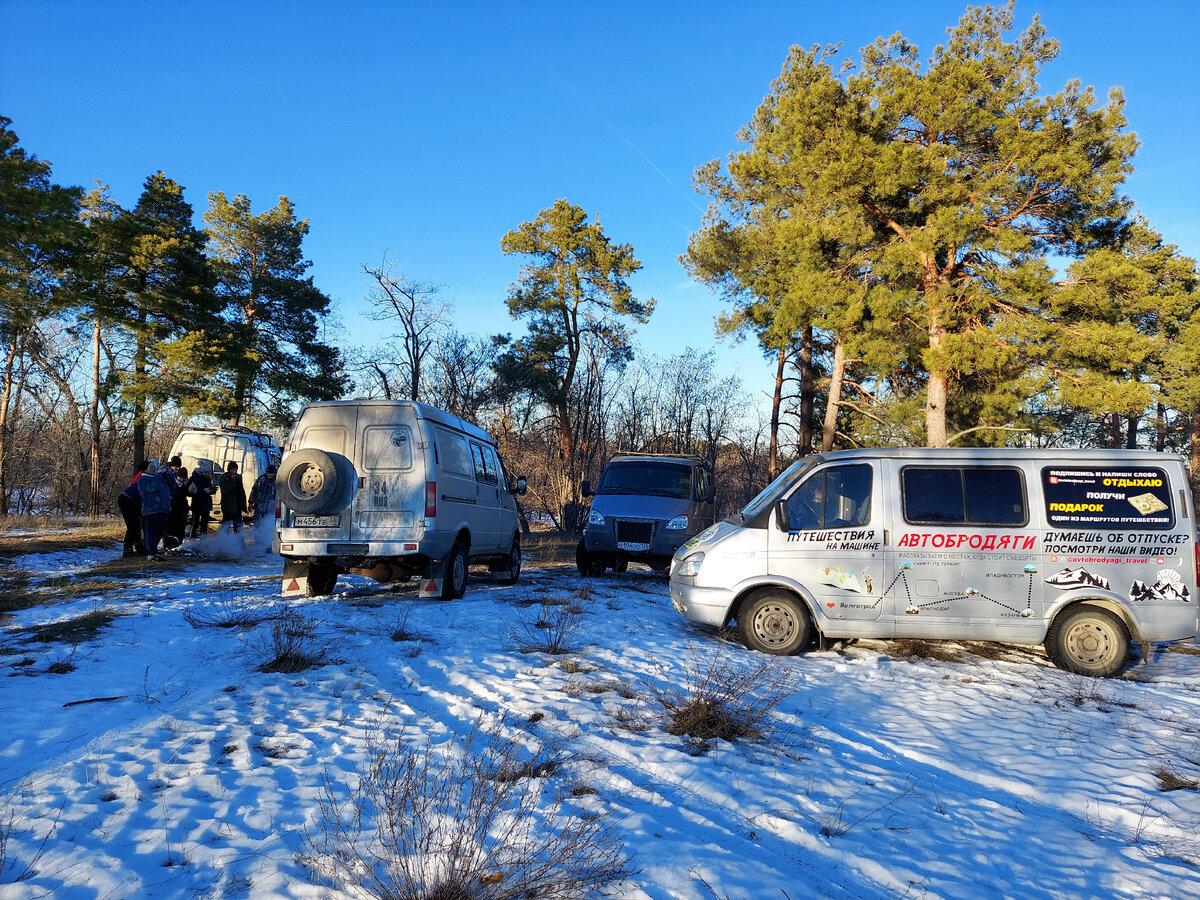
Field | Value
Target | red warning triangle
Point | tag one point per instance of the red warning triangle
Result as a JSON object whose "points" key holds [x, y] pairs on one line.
{"points": [[293, 585], [431, 587]]}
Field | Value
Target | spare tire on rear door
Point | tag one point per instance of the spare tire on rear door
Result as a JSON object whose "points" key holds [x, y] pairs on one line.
{"points": [[312, 482]]}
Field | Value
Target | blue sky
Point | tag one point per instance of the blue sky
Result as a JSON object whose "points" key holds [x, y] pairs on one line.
{"points": [[429, 130]]}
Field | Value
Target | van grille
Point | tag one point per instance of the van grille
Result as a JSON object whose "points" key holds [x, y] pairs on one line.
{"points": [[635, 532]]}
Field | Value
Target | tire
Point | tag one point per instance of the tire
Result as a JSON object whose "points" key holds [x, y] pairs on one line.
{"points": [[590, 565], [775, 622], [312, 482], [455, 584], [659, 564], [620, 565], [511, 570], [1088, 640], [322, 577]]}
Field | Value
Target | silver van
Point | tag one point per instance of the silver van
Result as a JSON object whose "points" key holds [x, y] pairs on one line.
{"points": [[644, 508], [251, 450], [393, 490], [1077, 550]]}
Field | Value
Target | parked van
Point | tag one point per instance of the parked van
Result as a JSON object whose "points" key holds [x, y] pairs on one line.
{"points": [[251, 450], [644, 508], [393, 489], [1077, 550]]}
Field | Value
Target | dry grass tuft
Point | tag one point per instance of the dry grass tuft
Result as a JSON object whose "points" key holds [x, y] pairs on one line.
{"points": [[1170, 780], [72, 631], [472, 819], [912, 648], [722, 700], [294, 645], [551, 626]]}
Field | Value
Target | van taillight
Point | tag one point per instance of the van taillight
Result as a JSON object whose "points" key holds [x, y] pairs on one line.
{"points": [[430, 499], [1197, 546]]}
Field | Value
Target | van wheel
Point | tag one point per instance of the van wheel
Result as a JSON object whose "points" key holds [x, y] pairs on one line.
{"points": [[322, 578], [659, 564], [511, 567], [312, 481], [1088, 640], [455, 585], [590, 565], [620, 565], [774, 621]]}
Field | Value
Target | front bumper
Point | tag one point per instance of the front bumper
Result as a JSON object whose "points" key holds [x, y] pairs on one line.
{"points": [[640, 539], [707, 605]]}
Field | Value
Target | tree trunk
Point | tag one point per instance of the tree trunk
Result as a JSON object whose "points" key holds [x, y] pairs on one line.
{"points": [[1160, 441], [1195, 467], [1131, 435], [94, 495], [5, 403], [139, 399], [829, 428], [804, 439], [937, 391], [776, 403]]}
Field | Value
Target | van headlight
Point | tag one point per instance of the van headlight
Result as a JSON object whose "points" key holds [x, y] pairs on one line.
{"points": [[678, 523], [690, 567], [595, 517]]}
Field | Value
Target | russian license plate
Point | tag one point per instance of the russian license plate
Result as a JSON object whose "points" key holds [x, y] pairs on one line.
{"points": [[635, 548], [317, 521]]}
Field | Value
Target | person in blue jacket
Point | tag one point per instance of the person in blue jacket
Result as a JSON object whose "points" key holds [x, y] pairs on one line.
{"points": [[156, 503]]}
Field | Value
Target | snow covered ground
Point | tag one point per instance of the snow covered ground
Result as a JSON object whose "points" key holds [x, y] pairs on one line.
{"points": [[192, 773]]}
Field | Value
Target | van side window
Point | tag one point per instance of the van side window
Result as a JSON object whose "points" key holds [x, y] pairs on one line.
{"points": [[455, 454], [484, 473], [963, 495], [836, 497], [493, 463], [389, 447]]}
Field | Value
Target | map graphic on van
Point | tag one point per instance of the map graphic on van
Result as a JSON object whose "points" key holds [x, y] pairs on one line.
{"points": [[835, 577], [1147, 503]]}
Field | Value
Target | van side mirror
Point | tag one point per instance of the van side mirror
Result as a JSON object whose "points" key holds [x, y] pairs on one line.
{"points": [[585, 488], [711, 494], [781, 514], [522, 485]]}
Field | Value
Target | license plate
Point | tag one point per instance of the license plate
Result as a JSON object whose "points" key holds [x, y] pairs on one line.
{"points": [[317, 521], [627, 545]]}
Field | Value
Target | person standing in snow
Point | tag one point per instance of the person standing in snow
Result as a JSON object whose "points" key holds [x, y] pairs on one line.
{"points": [[129, 502], [200, 489], [156, 503], [262, 495], [176, 477], [233, 496]]}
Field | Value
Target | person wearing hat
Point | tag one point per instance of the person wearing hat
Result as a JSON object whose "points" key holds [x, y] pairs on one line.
{"points": [[233, 496], [200, 488], [262, 495], [156, 503], [177, 518]]}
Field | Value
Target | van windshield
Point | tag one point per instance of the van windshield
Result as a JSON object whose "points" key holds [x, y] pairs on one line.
{"points": [[657, 478], [774, 489]]}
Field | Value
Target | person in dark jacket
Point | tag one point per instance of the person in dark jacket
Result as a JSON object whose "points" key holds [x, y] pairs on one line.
{"points": [[233, 496], [129, 502], [177, 517], [156, 503], [262, 495], [200, 488]]}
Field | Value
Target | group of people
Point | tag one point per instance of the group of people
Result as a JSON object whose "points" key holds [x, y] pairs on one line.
{"points": [[159, 501]]}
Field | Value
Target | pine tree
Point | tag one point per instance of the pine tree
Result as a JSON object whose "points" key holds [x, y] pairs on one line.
{"points": [[275, 311]]}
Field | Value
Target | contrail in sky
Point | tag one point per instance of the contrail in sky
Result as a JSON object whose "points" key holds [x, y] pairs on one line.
{"points": [[636, 149]]}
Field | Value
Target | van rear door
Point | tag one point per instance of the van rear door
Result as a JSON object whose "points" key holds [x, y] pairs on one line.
{"points": [[332, 429], [391, 468]]}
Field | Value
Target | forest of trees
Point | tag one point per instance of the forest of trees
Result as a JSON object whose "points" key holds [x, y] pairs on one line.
{"points": [[928, 252]]}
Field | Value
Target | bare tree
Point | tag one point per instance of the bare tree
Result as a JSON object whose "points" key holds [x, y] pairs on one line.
{"points": [[418, 310]]}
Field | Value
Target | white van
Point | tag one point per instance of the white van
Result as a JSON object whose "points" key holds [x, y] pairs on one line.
{"points": [[1077, 550], [393, 489], [251, 450]]}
